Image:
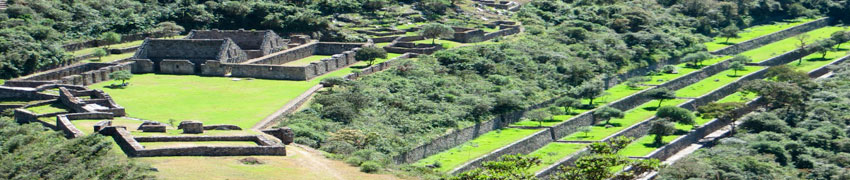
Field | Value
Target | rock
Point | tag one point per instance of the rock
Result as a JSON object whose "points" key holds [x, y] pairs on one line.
{"points": [[192, 127], [285, 134], [148, 123], [101, 124], [153, 128]]}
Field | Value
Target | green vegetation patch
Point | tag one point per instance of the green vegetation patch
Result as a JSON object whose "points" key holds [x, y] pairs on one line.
{"points": [[633, 116], [553, 152], [115, 46], [554, 121], [817, 60], [212, 100], [714, 82], [754, 32], [306, 61], [738, 97], [48, 108], [789, 44], [475, 148], [645, 145], [111, 57], [155, 145]]}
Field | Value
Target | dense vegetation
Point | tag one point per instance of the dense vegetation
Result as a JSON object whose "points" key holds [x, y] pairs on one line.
{"points": [[801, 134], [32, 152]]}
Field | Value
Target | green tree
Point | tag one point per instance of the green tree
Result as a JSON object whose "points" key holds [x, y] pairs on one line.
{"points": [[589, 90], [507, 167], [538, 115], [676, 114], [602, 160], [369, 54], [333, 81], [606, 113], [823, 47], [434, 30], [737, 66], [730, 31], [585, 129], [99, 53], [122, 76], [696, 59], [723, 111], [171, 28], [661, 94], [110, 38], [660, 128], [636, 82], [568, 103], [840, 37], [801, 44], [741, 59]]}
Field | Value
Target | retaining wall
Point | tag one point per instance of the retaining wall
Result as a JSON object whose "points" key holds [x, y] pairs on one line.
{"points": [[288, 55], [63, 122], [773, 37], [124, 38], [524, 146]]}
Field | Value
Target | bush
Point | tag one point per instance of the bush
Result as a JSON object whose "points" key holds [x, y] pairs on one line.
{"points": [[354, 160], [370, 167]]}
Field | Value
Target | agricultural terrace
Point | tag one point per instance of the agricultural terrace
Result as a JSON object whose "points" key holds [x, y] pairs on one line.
{"points": [[786, 45], [754, 32], [475, 148]]}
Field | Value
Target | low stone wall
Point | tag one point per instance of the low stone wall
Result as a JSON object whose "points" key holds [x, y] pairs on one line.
{"points": [[174, 66], [288, 55], [23, 93], [786, 58], [332, 48], [260, 140], [773, 37], [63, 122], [461, 136], [506, 31], [468, 35], [524, 146], [123, 50], [133, 149], [81, 74]]}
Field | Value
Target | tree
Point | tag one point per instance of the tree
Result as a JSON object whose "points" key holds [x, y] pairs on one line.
{"points": [[333, 81], [737, 66], [661, 94], [99, 53], [171, 28], [676, 114], [801, 44], [110, 38], [603, 157], [567, 103], [507, 167], [585, 130], [669, 69], [589, 90], [661, 128], [434, 30], [741, 59], [730, 31], [823, 47], [606, 113], [696, 59], [538, 115], [723, 111], [122, 76], [840, 37], [369, 54], [636, 82]]}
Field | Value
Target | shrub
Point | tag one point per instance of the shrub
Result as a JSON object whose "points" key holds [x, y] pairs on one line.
{"points": [[251, 161], [354, 160], [370, 167]]}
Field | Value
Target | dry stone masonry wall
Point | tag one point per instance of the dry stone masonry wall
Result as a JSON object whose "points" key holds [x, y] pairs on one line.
{"points": [[773, 37]]}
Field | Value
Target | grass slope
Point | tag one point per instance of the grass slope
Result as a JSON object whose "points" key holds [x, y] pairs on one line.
{"points": [[713, 82], [633, 116], [306, 61], [552, 152], [475, 148], [754, 32], [777, 48]]}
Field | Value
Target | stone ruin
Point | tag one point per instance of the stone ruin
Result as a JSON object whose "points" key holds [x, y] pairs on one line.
{"points": [[285, 134], [240, 53], [79, 74], [254, 43], [191, 127], [151, 126]]}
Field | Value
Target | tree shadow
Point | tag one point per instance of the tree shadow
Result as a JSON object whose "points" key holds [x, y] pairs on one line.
{"points": [[733, 75], [819, 59], [116, 86], [613, 124], [727, 43], [652, 108], [680, 132], [360, 66], [654, 145]]}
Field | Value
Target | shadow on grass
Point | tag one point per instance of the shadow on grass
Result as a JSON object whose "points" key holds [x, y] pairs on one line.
{"points": [[360, 66], [818, 59], [613, 124], [652, 108], [116, 86], [727, 43]]}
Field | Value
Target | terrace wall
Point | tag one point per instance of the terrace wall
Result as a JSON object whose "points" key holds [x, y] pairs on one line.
{"points": [[63, 122], [285, 56], [124, 38], [524, 146], [89, 73], [773, 37], [133, 149]]}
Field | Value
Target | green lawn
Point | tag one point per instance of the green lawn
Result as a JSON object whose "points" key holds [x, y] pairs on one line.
{"points": [[380, 45], [633, 116], [553, 152], [645, 145], [445, 43], [548, 123], [754, 32], [306, 61], [716, 81], [48, 108], [738, 97], [777, 48], [817, 60], [356, 67], [212, 100], [489, 30], [475, 148], [155, 145]]}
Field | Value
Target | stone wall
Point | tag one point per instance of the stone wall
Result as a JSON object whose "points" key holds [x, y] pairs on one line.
{"points": [[81, 74], [567, 161], [141, 66], [253, 43], [505, 30], [197, 51], [103, 101], [786, 58], [23, 93], [826, 69], [63, 122], [259, 139], [331, 48], [174, 66], [270, 71], [133, 149], [776, 36], [285, 56], [467, 35]]}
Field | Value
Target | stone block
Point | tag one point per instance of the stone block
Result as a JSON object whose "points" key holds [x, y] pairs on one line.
{"points": [[222, 127], [148, 123], [101, 124], [192, 127], [153, 128], [285, 134]]}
